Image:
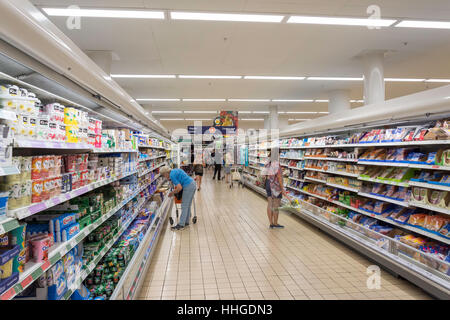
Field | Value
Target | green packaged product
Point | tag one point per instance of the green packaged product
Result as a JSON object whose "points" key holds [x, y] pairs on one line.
{"points": [[99, 270], [84, 222], [17, 237], [100, 290], [95, 215]]}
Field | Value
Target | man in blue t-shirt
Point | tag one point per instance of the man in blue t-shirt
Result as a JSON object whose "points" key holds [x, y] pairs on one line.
{"points": [[182, 182]]}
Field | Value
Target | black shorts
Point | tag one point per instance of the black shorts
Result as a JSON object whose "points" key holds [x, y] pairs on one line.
{"points": [[269, 191], [199, 174]]}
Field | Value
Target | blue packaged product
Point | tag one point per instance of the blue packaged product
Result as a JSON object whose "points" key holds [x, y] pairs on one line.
{"points": [[81, 294], [431, 158], [9, 282], [55, 272], [58, 289], [64, 220], [423, 176], [69, 232], [416, 157], [445, 230]]}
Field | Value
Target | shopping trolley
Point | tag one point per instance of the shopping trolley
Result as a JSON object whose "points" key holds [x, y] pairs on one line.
{"points": [[178, 198]]}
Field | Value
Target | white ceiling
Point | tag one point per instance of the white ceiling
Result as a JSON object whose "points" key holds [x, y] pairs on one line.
{"points": [[227, 48]]}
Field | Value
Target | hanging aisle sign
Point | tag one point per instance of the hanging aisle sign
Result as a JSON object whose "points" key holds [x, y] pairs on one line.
{"points": [[212, 130], [227, 119]]}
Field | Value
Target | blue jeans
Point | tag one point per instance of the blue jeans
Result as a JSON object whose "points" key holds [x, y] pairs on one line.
{"points": [[186, 203]]}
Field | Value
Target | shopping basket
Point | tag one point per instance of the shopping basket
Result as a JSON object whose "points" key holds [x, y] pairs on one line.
{"points": [[236, 177]]}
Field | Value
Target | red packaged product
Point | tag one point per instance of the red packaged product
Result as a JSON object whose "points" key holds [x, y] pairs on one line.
{"points": [[36, 191], [46, 189], [85, 177], [422, 134], [51, 166], [45, 167], [36, 168], [98, 127], [57, 182], [75, 180], [58, 165], [70, 163], [98, 141]]}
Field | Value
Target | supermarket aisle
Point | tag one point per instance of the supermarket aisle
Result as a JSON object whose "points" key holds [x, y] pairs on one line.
{"points": [[232, 254]]}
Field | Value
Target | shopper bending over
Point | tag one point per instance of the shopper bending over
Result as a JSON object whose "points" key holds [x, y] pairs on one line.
{"points": [[274, 188], [183, 183]]}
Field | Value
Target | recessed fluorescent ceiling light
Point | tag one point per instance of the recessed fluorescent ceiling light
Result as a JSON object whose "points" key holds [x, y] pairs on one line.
{"points": [[321, 100], [249, 100], [336, 78], [143, 76], [298, 112], [167, 111], [323, 112], [200, 111], [225, 17], [102, 13], [302, 100], [208, 77], [244, 112], [261, 112], [437, 80], [342, 21], [357, 101], [298, 119], [198, 119], [272, 78], [403, 80], [199, 100], [171, 119], [157, 99], [424, 24]]}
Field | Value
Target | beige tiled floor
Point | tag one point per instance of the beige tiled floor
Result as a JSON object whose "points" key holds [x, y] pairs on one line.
{"points": [[232, 254]]}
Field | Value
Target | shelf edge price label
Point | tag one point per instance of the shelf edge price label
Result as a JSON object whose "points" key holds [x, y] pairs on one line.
{"points": [[26, 281], [45, 266], [11, 292]]}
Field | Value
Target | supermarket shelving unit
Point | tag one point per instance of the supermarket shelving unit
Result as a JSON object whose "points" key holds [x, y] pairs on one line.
{"points": [[23, 146], [393, 257], [132, 279]]}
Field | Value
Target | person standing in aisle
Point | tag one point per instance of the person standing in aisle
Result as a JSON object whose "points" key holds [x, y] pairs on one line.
{"points": [[183, 183], [217, 165], [274, 188], [198, 170]]}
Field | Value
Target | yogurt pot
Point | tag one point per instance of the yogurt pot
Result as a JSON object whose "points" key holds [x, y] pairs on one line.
{"points": [[40, 246]]}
